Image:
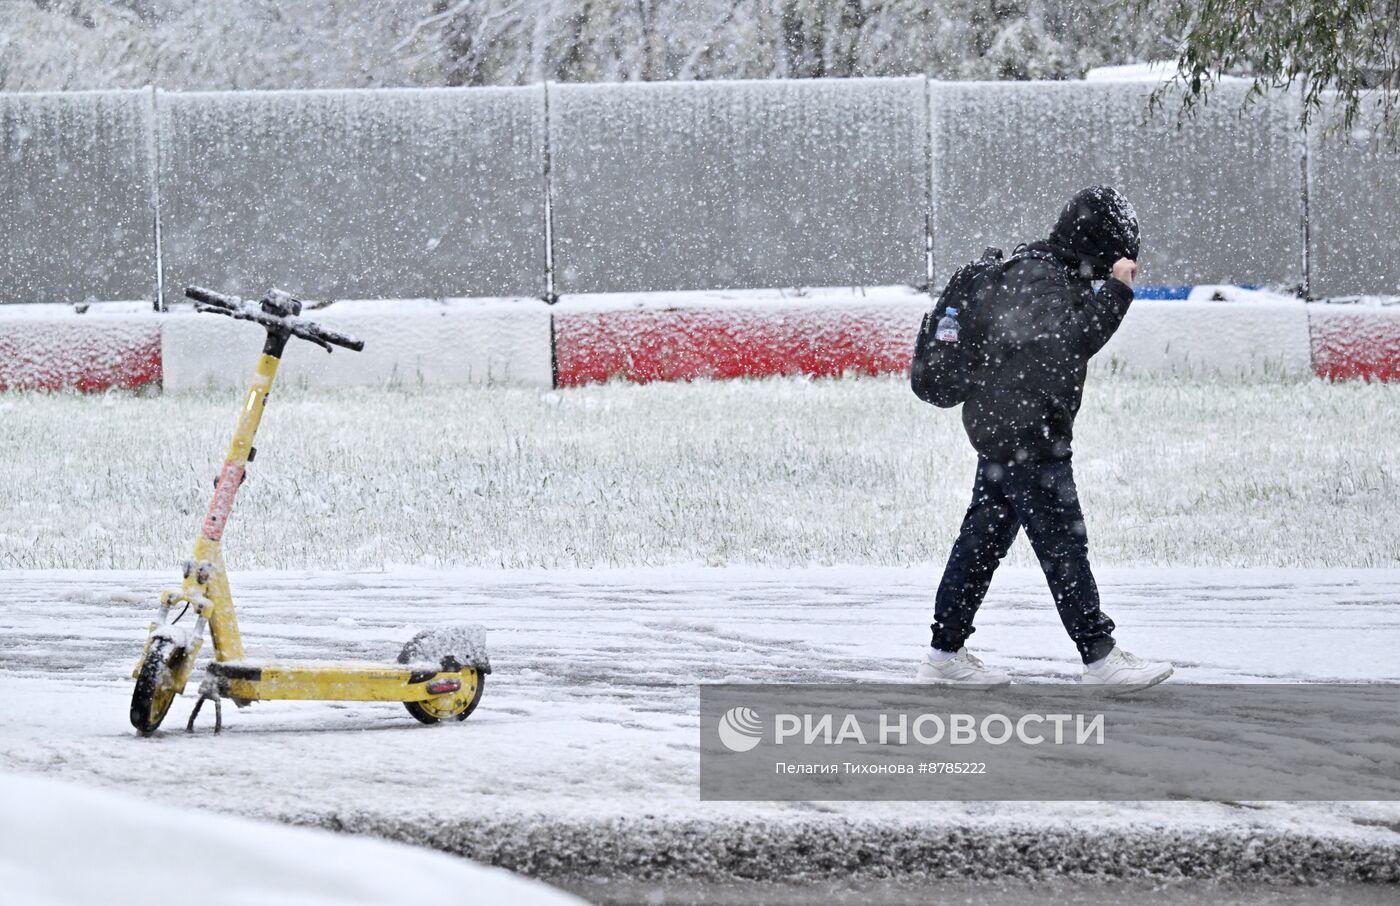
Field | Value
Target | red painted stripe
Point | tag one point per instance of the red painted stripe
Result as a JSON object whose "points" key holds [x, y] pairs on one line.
{"points": [[70, 353], [687, 343], [1355, 342]]}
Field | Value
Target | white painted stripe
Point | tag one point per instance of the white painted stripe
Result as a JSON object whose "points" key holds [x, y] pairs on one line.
{"points": [[406, 343], [1210, 339]]}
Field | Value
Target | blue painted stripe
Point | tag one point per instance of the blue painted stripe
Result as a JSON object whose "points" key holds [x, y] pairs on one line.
{"points": [[1175, 292], [1161, 292]]}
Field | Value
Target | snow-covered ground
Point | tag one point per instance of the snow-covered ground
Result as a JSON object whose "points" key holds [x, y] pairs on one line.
{"points": [[583, 756], [625, 543], [124, 847], [783, 472]]}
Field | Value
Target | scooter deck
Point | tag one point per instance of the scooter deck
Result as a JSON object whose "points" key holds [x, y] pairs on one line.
{"points": [[314, 681]]}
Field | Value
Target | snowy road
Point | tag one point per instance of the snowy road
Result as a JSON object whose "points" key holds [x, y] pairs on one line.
{"points": [[591, 714]]}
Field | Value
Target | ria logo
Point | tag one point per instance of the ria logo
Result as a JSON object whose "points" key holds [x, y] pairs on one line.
{"points": [[740, 729]]}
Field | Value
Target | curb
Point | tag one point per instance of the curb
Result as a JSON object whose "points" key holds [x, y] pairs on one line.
{"points": [[839, 848], [524, 342]]}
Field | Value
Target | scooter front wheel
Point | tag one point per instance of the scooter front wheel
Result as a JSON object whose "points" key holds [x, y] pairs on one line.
{"points": [[155, 687]]}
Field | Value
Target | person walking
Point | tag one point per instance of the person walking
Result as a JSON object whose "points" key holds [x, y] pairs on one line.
{"points": [[1030, 339]]}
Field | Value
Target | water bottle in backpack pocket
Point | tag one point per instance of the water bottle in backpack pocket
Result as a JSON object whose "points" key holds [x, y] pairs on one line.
{"points": [[944, 368], [947, 331]]}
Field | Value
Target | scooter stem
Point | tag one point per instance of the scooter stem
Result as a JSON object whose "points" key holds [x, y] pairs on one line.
{"points": [[241, 448], [208, 548]]}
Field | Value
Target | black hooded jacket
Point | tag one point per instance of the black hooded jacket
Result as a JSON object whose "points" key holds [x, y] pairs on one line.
{"points": [[1037, 333]]}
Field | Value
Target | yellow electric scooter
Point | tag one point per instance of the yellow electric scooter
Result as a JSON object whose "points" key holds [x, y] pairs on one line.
{"points": [[440, 674]]}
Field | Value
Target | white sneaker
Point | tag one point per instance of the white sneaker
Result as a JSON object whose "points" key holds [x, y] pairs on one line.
{"points": [[1125, 672], [962, 669]]}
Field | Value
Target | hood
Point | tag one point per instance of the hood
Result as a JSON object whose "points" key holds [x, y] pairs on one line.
{"points": [[1099, 226]]}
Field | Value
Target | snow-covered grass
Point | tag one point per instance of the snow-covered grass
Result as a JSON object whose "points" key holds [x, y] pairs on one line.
{"points": [[125, 858], [784, 472]]}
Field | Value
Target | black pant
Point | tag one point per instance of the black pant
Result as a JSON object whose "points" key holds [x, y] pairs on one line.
{"points": [[1040, 496]]}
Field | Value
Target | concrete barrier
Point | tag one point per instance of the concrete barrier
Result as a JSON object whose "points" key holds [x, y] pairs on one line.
{"points": [[1355, 341], [680, 338], [407, 342], [1177, 338], [52, 347], [1220, 201], [77, 197], [683, 336], [715, 185], [1353, 210], [354, 194], [691, 336]]}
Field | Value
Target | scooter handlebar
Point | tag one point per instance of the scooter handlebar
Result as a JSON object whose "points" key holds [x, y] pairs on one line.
{"points": [[209, 297], [275, 311]]}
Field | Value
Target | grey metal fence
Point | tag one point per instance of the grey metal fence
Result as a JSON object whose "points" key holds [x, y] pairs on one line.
{"points": [[364, 194], [77, 196], [454, 192], [1353, 211], [670, 186], [1220, 201]]}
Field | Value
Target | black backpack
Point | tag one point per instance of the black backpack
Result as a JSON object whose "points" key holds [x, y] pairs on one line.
{"points": [[944, 373]]}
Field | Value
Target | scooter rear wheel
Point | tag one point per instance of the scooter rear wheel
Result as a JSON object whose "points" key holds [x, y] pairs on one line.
{"points": [[155, 687], [448, 649], [457, 706]]}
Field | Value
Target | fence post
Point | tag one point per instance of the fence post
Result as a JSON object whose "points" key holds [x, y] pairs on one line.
{"points": [[153, 155]]}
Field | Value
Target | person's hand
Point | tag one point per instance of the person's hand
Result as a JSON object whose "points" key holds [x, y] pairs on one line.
{"points": [[1125, 271]]}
